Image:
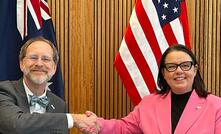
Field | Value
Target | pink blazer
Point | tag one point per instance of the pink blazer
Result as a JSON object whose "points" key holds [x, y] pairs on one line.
{"points": [[153, 116]]}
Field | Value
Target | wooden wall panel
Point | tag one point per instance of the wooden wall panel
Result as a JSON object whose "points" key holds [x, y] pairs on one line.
{"points": [[60, 16], [89, 33], [111, 19], [81, 48], [204, 20]]}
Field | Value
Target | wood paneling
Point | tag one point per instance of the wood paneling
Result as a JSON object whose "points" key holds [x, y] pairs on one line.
{"points": [[111, 19], [89, 33], [204, 20]]}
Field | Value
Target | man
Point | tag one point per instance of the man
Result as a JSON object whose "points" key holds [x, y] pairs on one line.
{"points": [[27, 106]]}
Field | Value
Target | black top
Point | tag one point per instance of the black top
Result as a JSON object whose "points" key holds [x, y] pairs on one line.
{"points": [[177, 106]]}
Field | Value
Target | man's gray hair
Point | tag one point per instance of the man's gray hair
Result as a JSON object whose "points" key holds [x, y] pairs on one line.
{"points": [[39, 38]]}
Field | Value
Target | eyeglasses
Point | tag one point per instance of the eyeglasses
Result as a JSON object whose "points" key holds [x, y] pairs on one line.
{"points": [[185, 66], [35, 58]]}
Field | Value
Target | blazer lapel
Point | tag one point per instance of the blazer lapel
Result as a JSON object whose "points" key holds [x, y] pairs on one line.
{"points": [[163, 114], [191, 113], [24, 101], [51, 106]]}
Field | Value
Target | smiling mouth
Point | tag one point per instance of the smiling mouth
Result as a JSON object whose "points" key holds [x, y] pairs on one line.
{"points": [[39, 71], [179, 78]]}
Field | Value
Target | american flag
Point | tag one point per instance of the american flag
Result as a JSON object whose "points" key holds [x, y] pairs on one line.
{"points": [[154, 26]]}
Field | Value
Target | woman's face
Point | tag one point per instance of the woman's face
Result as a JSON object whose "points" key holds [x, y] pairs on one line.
{"points": [[179, 79]]}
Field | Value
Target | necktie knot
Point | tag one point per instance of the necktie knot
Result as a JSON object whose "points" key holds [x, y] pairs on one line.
{"points": [[43, 101]]}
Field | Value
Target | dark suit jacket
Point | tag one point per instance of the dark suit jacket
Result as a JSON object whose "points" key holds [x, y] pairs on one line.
{"points": [[15, 117]]}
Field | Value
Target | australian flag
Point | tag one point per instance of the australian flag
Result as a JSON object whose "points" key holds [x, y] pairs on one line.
{"points": [[21, 20]]}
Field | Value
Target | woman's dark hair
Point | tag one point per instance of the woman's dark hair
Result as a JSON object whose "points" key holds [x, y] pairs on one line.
{"points": [[198, 83]]}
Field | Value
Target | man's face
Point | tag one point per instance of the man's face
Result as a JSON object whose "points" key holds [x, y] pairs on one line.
{"points": [[38, 66]]}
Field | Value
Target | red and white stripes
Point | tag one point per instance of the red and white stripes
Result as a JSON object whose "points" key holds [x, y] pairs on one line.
{"points": [[143, 44]]}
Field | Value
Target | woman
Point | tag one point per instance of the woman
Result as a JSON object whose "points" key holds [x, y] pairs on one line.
{"points": [[182, 105]]}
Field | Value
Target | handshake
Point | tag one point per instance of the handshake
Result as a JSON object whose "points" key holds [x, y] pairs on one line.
{"points": [[86, 123]]}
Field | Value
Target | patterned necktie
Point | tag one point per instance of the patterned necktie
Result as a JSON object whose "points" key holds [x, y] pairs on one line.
{"points": [[43, 101]]}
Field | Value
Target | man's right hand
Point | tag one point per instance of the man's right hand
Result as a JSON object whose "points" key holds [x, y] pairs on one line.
{"points": [[87, 123]]}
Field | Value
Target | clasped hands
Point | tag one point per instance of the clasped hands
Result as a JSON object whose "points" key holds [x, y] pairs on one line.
{"points": [[87, 123]]}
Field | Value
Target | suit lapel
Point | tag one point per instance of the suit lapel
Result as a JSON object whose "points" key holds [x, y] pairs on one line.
{"points": [[51, 106], [191, 113], [163, 113], [24, 101]]}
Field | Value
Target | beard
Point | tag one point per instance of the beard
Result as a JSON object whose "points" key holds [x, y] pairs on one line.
{"points": [[38, 79]]}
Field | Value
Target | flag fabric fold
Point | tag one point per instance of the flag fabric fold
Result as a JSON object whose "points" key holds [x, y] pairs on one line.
{"points": [[21, 20], [154, 26]]}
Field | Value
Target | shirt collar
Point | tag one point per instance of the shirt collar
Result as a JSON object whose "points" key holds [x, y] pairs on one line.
{"points": [[29, 92]]}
